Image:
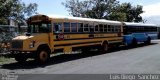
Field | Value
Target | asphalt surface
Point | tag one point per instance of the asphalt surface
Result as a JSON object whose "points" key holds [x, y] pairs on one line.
{"points": [[124, 60]]}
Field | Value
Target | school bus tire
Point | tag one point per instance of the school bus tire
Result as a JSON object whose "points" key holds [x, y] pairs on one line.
{"points": [[104, 47], [42, 55]]}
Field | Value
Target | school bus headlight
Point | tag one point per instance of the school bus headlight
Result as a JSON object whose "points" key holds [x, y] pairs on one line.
{"points": [[31, 45]]}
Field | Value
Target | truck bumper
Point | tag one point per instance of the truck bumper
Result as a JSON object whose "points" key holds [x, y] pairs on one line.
{"points": [[28, 54]]}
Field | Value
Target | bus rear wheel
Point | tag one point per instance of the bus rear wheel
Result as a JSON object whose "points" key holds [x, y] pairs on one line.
{"points": [[104, 47], [42, 56]]}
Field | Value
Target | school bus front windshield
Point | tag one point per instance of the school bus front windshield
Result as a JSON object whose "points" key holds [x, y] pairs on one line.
{"points": [[39, 28]]}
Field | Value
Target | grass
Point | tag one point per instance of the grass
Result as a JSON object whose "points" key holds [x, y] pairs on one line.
{"points": [[5, 60]]}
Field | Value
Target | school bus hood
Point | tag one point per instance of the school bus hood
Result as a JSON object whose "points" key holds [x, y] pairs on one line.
{"points": [[22, 37]]}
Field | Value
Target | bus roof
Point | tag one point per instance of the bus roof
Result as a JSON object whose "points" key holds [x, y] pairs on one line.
{"points": [[138, 24], [85, 19]]}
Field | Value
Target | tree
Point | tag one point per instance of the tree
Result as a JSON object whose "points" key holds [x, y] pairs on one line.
{"points": [[104, 9], [15, 10], [90, 8], [76, 7], [117, 16], [132, 12]]}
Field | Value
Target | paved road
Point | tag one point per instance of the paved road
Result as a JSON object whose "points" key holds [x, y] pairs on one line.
{"points": [[143, 59]]}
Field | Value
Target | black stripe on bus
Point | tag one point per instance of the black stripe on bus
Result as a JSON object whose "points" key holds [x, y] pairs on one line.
{"points": [[75, 43], [86, 38], [88, 33], [112, 41]]}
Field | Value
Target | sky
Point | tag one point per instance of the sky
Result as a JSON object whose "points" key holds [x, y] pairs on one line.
{"points": [[151, 8]]}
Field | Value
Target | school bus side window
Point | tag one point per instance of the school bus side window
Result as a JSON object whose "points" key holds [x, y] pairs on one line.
{"points": [[109, 28], [118, 29], [66, 27], [101, 27], [96, 28], [112, 28], [86, 27], [74, 27], [57, 27], [80, 27], [91, 28], [105, 28]]}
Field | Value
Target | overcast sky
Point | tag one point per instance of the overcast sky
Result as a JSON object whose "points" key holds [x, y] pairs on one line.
{"points": [[54, 7]]}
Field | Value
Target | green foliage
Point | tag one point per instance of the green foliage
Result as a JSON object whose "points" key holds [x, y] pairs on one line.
{"points": [[118, 16], [16, 10], [5, 60], [76, 7], [104, 9], [132, 12]]}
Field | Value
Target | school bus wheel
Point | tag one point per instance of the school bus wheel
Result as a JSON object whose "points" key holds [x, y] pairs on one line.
{"points": [[104, 47], [43, 55], [20, 58]]}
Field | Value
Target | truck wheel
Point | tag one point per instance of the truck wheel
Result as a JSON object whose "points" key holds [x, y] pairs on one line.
{"points": [[134, 42], [148, 41], [43, 56], [20, 58]]}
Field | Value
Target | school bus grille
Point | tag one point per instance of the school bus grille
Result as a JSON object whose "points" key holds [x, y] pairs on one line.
{"points": [[17, 44]]}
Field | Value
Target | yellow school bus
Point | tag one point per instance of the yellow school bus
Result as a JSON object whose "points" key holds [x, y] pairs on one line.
{"points": [[49, 34]]}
